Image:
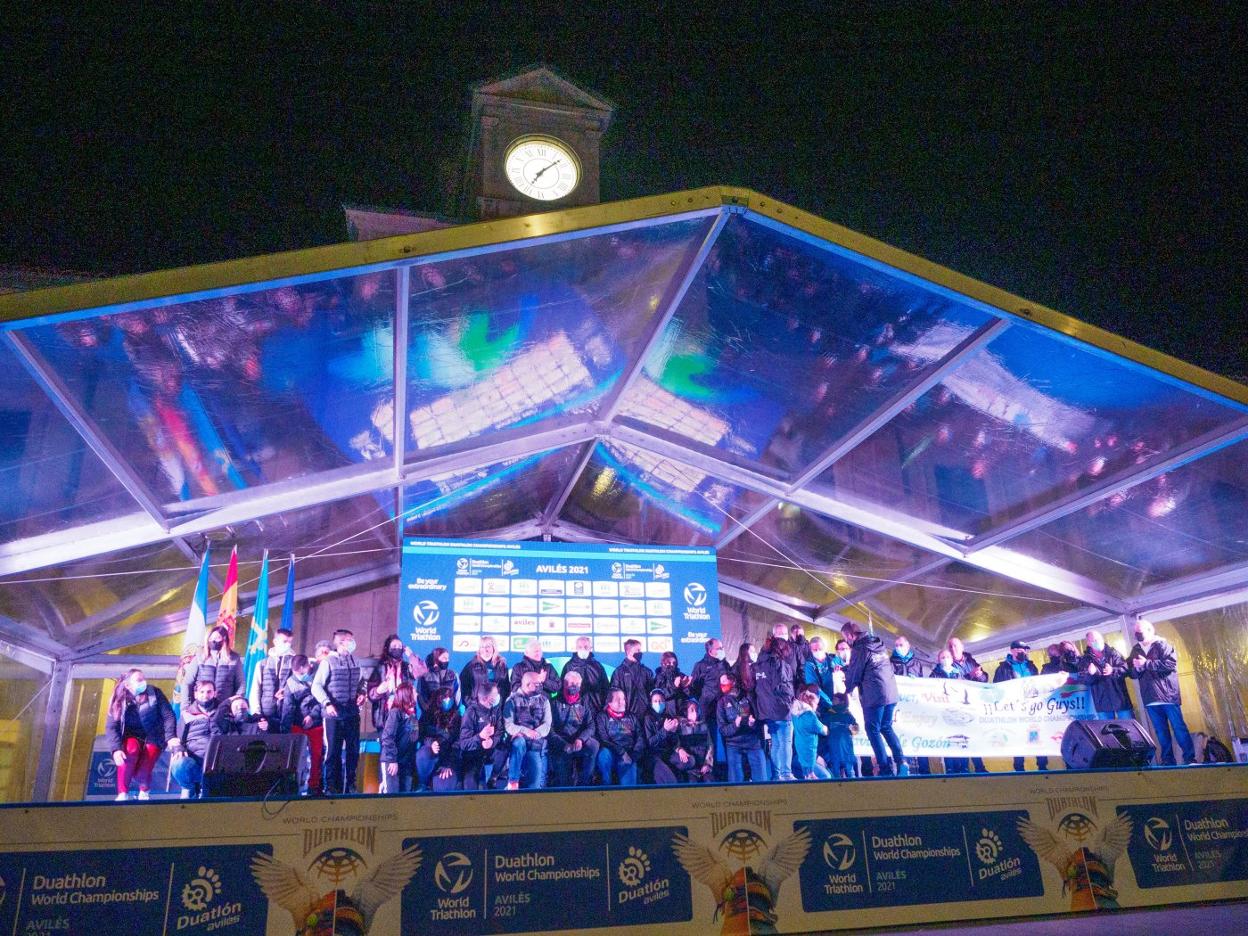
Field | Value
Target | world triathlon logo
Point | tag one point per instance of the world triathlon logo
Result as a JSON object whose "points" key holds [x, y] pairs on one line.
{"points": [[453, 874], [200, 891], [839, 853], [461, 564], [695, 594], [1157, 834], [634, 868], [426, 613]]}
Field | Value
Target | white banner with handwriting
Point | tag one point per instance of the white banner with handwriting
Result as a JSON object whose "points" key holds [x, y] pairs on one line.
{"points": [[960, 718]]}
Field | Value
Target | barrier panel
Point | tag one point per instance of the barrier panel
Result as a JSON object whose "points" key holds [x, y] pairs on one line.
{"points": [[759, 858]]}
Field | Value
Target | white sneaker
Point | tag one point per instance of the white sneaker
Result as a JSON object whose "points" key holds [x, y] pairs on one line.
{"points": [[122, 797], [185, 794], [144, 795]]}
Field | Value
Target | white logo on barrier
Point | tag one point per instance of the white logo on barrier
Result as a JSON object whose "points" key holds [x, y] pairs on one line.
{"points": [[461, 564], [1157, 834], [695, 594], [839, 852], [200, 891], [425, 614], [634, 868], [453, 873], [989, 846]]}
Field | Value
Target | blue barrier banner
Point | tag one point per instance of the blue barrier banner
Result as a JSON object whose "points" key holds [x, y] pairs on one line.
{"points": [[893, 860], [454, 592], [1175, 844], [521, 883], [191, 890]]}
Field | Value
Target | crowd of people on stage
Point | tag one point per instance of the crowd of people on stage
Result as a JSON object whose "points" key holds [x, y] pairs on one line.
{"points": [[778, 712]]}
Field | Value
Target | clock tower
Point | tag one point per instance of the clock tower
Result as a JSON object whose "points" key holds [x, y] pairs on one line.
{"points": [[534, 145]]}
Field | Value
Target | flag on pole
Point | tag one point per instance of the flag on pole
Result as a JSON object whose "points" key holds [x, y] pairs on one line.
{"points": [[288, 606], [227, 614], [258, 642], [196, 625]]}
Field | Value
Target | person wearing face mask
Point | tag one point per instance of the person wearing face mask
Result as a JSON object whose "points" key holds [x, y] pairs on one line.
{"points": [[809, 733], [743, 670], [339, 689], [659, 730], [438, 675], [801, 651], [1104, 671], [594, 681], [946, 668], [527, 718], [773, 699], [268, 685], [1017, 666], [487, 666], [573, 746], [534, 661], [483, 748], [817, 676], [691, 760], [200, 725], [238, 719], [1155, 663], [218, 663], [871, 673], [396, 666], [704, 687], [139, 726], [905, 663], [842, 726], [437, 766], [742, 733], [671, 680], [301, 714], [620, 739], [1063, 658], [400, 738], [968, 668], [635, 679]]}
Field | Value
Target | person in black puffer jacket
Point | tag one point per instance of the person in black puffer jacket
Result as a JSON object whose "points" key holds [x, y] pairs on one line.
{"points": [[483, 747], [691, 760], [572, 741], [774, 676], [871, 673], [437, 760], [533, 661], [200, 724], [668, 678], [635, 679], [594, 680], [526, 716], [621, 740], [139, 726], [742, 733], [400, 738], [301, 714], [659, 730], [1155, 663], [219, 664], [486, 666], [439, 675]]}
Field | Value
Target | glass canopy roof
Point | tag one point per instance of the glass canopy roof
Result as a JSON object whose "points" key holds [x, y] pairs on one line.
{"points": [[858, 431]]}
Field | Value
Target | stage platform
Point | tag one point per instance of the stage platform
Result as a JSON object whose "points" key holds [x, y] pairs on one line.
{"points": [[788, 858]]}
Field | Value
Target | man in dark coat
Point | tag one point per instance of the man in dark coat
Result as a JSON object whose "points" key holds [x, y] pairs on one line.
{"points": [[1017, 666], [774, 674], [594, 681], [871, 673], [1155, 663], [636, 680], [1104, 671]]}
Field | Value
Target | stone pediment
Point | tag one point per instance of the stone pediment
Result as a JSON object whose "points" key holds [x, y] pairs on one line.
{"points": [[543, 87]]}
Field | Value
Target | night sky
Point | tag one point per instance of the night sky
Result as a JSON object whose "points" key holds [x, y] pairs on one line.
{"points": [[1091, 161]]}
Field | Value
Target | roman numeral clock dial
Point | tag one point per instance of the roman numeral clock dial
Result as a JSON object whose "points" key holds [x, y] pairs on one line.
{"points": [[542, 168]]}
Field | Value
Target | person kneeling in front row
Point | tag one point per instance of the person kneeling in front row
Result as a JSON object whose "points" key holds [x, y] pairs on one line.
{"points": [[437, 761]]}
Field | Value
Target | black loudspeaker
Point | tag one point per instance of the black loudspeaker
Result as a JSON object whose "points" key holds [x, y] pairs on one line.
{"points": [[253, 765], [1107, 743]]}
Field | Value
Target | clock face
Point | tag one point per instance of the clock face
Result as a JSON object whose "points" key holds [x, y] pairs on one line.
{"points": [[542, 168]]}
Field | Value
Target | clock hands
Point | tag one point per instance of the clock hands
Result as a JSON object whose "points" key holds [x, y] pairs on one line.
{"points": [[542, 171]]}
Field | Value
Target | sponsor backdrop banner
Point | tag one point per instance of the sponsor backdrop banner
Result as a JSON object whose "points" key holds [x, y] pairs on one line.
{"points": [[959, 718], [755, 858], [454, 592]]}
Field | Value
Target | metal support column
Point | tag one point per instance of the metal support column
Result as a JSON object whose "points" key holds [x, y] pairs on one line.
{"points": [[58, 690]]}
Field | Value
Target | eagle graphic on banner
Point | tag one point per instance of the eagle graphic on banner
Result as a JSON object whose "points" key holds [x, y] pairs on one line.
{"points": [[334, 913], [745, 897], [1087, 870]]}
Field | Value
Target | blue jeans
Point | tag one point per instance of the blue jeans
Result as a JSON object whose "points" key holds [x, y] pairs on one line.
{"points": [[1113, 716], [530, 754], [1166, 716], [608, 761], [188, 773], [879, 724], [781, 749], [758, 764]]}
